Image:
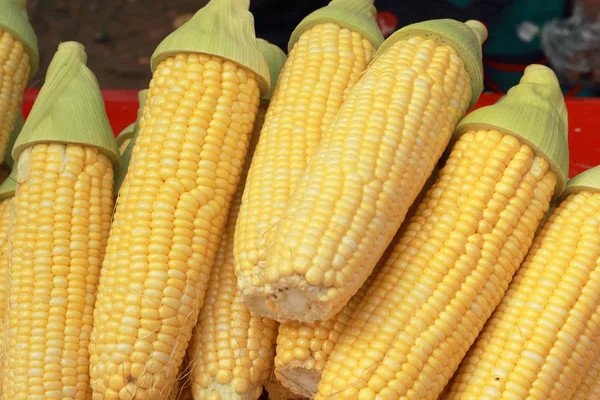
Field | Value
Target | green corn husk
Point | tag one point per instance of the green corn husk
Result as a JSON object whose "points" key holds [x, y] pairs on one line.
{"points": [[275, 59], [535, 112], [69, 108], [8, 187], [126, 156], [126, 133], [14, 18], [8, 160], [588, 180], [356, 15], [222, 28], [466, 38]]}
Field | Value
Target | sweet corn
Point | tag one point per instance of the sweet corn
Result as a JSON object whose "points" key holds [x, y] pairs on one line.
{"points": [[19, 61], [370, 166], [545, 333], [454, 260], [589, 388], [329, 51], [62, 212], [231, 349], [174, 200]]}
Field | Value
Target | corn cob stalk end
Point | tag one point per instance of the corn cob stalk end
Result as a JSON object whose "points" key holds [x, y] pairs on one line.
{"points": [[13, 18], [356, 15], [8, 160], [586, 181], [275, 58], [126, 156], [69, 108], [535, 111], [222, 28], [8, 187], [466, 38]]}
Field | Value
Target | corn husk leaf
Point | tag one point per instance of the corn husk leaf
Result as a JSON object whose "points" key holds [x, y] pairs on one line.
{"points": [[126, 156], [14, 18], [275, 59], [535, 112], [8, 187], [466, 38], [586, 181], [126, 133], [222, 28], [356, 15], [69, 108], [8, 160]]}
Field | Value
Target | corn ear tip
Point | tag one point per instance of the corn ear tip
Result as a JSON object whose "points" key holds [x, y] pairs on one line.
{"points": [[534, 111], [222, 28], [588, 180], [465, 38], [69, 108], [14, 19], [355, 15]]}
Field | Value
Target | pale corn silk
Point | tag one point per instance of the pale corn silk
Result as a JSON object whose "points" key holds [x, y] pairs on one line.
{"points": [[231, 351], [170, 213], [59, 230], [321, 69], [449, 268], [545, 333], [392, 128], [15, 67]]}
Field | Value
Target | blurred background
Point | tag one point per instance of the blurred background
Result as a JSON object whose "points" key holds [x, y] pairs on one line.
{"points": [[120, 35]]}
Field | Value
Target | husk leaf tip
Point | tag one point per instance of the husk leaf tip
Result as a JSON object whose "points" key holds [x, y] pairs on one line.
{"points": [[8, 187], [588, 180], [534, 110], [14, 19], [466, 38], [356, 15], [222, 28], [275, 59], [69, 108]]}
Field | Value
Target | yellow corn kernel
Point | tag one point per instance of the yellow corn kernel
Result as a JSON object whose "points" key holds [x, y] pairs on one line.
{"points": [[546, 331], [231, 349], [15, 67], [368, 170], [446, 272], [589, 389], [5, 222], [172, 206], [320, 70], [62, 214]]}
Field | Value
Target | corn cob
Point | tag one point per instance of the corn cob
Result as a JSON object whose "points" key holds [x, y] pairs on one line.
{"points": [[62, 212], [452, 264], [546, 331], [129, 142], [328, 52], [19, 61], [173, 203], [8, 162], [303, 348], [589, 388], [277, 392], [232, 350], [370, 166], [7, 193]]}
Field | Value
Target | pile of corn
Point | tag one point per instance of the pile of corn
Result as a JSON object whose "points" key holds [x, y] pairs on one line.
{"points": [[326, 224]]}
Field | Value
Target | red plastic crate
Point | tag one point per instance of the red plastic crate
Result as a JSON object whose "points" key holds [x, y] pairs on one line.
{"points": [[584, 122]]}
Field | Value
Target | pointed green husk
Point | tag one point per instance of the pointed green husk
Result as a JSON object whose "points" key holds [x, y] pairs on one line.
{"points": [[356, 15], [586, 181], [466, 38], [275, 59], [534, 111], [222, 28], [8, 187], [13, 18], [8, 160], [126, 156], [69, 108]]}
